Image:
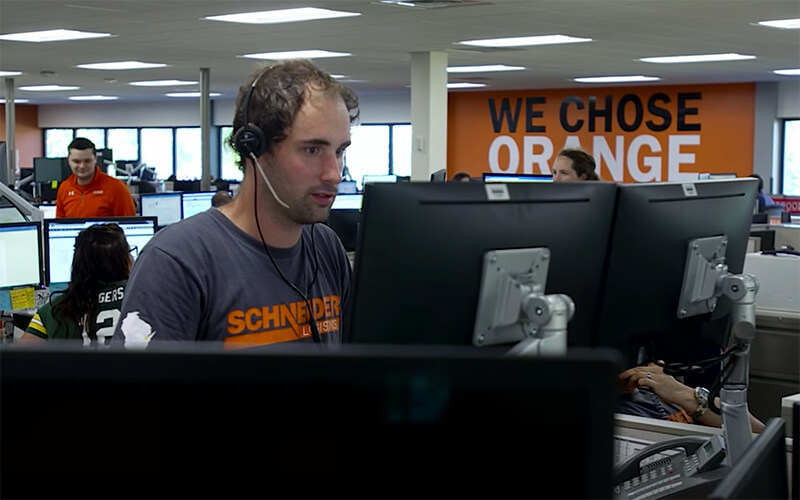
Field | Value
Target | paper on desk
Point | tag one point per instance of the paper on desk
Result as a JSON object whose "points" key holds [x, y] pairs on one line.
{"points": [[23, 298]]}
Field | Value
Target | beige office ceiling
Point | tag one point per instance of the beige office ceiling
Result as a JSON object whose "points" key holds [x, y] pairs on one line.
{"points": [[383, 38]]}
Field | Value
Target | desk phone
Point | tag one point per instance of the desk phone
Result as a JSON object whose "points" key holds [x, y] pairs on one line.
{"points": [[689, 473]]}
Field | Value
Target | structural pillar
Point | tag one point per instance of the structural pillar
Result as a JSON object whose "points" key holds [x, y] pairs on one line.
{"points": [[428, 114]]}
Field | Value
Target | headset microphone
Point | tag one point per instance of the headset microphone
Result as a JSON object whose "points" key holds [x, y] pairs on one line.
{"points": [[269, 184]]}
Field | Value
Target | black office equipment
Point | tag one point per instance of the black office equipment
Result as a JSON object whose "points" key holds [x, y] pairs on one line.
{"points": [[762, 471], [186, 186], [652, 229], [378, 422], [439, 175], [795, 454], [345, 224], [105, 157], [419, 262], [50, 169]]}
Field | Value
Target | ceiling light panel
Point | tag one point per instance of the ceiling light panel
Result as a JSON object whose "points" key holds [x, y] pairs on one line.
{"points": [[788, 72], [16, 101], [93, 98], [525, 41], [191, 94], [48, 88], [283, 16], [787, 24], [731, 56], [162, 83], [121, 65], [465, 85], [483, 69], [59, 35], [616, 79], [297, 54]]}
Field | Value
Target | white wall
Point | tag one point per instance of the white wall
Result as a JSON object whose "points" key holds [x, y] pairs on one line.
{"points": [[789, 98], [385, 107]]}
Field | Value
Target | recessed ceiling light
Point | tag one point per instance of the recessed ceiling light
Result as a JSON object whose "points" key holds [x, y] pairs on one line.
{"points": [[616, 79], [10, 73], [93, 98], [162, 83], [16, 101], [524, 41], [48, 88], [788, 72], [338, 76], [52, 36], [787, 24], [296, 54], [483, 69], [282, 16], [465, 85], [731, 56], [191, 94], [119, 65]]}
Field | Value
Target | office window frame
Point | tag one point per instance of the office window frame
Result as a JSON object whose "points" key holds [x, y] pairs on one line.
{"points": [[790, 159]]}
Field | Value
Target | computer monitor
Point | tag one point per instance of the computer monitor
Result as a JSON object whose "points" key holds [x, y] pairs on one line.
{"points": [[370, 179], [60, 237], [345, 224], [487, 177], [48, 211], [186, 186], [194, 203], [105, 157], [373, 422], [147, 174], [439, 176], [419, 262], [347, 187], [348, 202], [20, 254], [50, 169], [165, 207], [762, 471], [653, 226]]}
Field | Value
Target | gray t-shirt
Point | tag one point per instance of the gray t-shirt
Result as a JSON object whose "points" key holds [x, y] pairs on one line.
{"points": [[205, 279]]}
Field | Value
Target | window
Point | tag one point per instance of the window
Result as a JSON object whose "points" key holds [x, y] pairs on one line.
{"points": [[401, 150], [369, 152], [56, 141], [157, 150], [96, 135], [124, 142], [188, 153], [791, 158], [229, 167]]}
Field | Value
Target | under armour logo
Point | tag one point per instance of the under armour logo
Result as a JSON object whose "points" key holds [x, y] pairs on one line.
{"points": [[70, 193]]}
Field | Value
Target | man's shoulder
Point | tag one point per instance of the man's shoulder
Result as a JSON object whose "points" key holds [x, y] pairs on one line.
{"points": [[195, 231]]}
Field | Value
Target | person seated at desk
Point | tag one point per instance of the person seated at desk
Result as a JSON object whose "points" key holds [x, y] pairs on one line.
{"points": [[649, 392], [763, 200], [88, 309], [221, 198], [574, 164]]}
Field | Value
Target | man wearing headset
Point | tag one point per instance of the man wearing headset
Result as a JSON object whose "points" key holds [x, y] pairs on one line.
{"points": [[258, 270]]}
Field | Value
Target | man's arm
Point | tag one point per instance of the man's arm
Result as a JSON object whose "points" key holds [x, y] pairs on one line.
{"points": [[162, 302], [123, 202]]}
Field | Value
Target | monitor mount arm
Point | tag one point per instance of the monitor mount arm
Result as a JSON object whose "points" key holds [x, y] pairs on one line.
{"points": [[705, 279], [512, 305]]}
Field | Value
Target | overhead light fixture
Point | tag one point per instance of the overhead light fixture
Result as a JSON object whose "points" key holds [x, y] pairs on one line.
{"points": [[93, 98], [16, 101], [483, 69], [48, 88], [337, 77], [191, 94], [788, 72], [162, 83], [282, 16], [296, 54], [465, 85], [10, 73], [525, 41], [59, 35], [786, 24], [616, 79], [730, 56], [120, 65]]}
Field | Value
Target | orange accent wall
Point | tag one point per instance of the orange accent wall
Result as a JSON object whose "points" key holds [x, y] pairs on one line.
{"points": [[28, 135], [652, 133]]}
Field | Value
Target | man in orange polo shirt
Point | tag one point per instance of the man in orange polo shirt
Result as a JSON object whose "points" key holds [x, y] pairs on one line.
{"points": [[88, 192]]}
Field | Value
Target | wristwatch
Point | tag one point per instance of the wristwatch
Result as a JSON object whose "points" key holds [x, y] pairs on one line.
{"points": [[701, 395]]}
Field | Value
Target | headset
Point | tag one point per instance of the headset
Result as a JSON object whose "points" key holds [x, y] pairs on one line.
{"points": [[251, 142]]}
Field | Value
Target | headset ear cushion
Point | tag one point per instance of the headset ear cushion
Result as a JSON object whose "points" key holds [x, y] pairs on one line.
{"points": [[250, 139]]}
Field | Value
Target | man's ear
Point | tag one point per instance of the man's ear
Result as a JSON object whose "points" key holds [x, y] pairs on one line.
{"points": [[583, 177]]}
